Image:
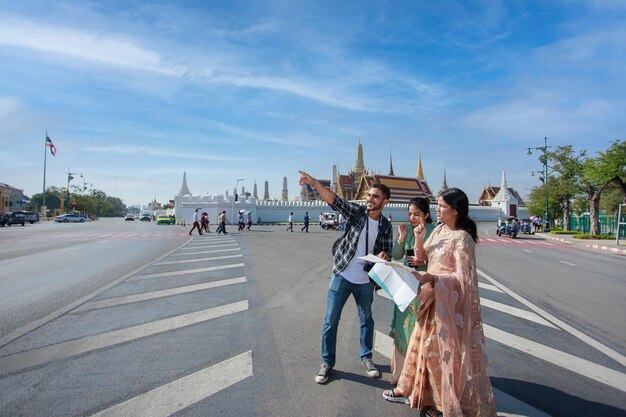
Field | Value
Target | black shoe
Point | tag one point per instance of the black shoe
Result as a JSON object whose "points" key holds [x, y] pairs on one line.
{"points": [[322, 375]]}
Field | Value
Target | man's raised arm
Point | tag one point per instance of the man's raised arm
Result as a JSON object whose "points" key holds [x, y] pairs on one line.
{"points": [[325, 194]]}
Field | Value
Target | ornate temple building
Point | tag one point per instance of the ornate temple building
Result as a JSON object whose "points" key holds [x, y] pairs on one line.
{"points": [[490, 192], [355, 184]]}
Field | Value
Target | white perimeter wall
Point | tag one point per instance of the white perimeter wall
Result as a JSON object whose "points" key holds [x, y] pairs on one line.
{"points": [[277, 211]]}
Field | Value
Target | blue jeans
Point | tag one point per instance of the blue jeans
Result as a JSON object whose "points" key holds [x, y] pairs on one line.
{"points": [[338, 292]]}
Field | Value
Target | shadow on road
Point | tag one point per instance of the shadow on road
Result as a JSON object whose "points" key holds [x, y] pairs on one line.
{"points": [[553, 401]]}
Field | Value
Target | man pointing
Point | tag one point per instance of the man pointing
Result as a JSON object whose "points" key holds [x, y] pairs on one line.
{"points": [[367, 231]]}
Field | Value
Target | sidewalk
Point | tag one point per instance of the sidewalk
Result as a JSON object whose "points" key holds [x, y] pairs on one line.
{"points": [[608, 246]]}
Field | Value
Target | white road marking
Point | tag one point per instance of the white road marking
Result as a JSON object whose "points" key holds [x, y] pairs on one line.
{"points": [[533, 243], [39, 356], [111, 302], [514, 311], [184, 261], [573, 363], [206, 251], [489, 287], [567, 263], [185, 272], [529, 251], [576, 333], [184, 392], [207, 246], [383, 294], [38, 323]]}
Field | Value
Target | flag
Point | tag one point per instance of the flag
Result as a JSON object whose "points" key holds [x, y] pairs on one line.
{"points": [[53, 149]]}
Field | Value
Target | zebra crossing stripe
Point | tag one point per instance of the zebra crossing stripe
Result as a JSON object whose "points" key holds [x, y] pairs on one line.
{"points": [[207, 246], [574, 332], [185, 272], [572, 363], [517, 312], [64, 350], [489, 287], [214, 258], [182, 393], [116, 301], [206, 251]]}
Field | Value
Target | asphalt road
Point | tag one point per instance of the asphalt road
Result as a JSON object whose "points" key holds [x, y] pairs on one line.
{"points": [[230, 325]]}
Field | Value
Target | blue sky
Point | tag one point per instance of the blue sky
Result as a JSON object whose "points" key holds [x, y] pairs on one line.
{"points": [[134, 93]]}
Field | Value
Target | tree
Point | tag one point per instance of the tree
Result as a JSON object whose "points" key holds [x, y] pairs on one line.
{"points": [[569, 166], [53, 198], [537, 200], [608, 167]]}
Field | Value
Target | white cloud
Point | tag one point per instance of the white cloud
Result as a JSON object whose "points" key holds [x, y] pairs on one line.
{"points": [[8, 106], [170, 153], [103, 48]]}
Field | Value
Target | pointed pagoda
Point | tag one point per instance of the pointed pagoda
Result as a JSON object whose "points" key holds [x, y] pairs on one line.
{"points": [[420, 171], [444, 186], [390, 164], [184, 190]]}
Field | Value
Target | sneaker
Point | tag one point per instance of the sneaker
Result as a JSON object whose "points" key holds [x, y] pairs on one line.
{"points": [[322, 375], [371, 370]]}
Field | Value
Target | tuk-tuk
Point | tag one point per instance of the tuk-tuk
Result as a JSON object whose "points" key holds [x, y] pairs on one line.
{"points": [[525, 227], [508, 227]]}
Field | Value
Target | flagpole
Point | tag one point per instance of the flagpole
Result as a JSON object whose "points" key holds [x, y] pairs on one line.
{"points": [[45, 156]]}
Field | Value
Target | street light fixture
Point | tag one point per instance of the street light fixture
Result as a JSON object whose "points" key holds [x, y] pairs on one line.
{"points": [[70, 177], [232, 215], [544, 150]]}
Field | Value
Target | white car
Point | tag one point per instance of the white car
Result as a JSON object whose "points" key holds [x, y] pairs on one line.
{"points": [[69, 218]]}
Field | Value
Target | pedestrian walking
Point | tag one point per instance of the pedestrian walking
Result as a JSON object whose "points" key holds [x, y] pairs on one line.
{"points": [[290, 220], [240, 221], [306, 222], [404, 321], [196, 222], [368, 232], [321, 218], [249, 220], [204, 222], [445, 371], [221, 223]]}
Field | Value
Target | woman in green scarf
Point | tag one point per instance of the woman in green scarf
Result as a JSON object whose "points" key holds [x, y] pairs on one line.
{"points": [[403, 322]]}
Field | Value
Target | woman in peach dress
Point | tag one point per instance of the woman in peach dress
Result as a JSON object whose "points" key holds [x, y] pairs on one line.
{"points": [[445, 371]]}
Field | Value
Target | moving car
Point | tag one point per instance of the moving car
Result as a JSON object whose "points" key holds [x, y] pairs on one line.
{"points": [[329, 221], [129, 217], [17, 217], [165, 220], [145, 217], [69, 218], [31, 216]]}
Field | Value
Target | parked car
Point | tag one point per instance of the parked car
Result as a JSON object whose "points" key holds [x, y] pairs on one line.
{"points": [[129, 217], [4, 218], [165, 220], [69, 218], [16, 217]]}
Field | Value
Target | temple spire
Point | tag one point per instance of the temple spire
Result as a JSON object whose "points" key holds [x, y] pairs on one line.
{"points": [[444, 186], [420, 172], [184, 190], [390, 163], [359, 167]]}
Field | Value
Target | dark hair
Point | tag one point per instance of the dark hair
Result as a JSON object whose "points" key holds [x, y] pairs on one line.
{"points": [[458, 200], [385, 190], [423, 204]]}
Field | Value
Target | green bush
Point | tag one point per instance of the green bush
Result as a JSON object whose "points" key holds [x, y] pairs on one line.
{"points": [[596, 237], [564, 232]]}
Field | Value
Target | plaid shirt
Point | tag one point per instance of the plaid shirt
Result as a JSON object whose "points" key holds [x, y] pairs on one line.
{"points": [[344, 248]]}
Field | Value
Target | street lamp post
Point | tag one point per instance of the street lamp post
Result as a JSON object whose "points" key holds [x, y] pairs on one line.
{"points": [[70, 177], [232, 215], [544, 150]]}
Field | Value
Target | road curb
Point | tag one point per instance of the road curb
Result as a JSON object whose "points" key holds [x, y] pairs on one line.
{"points": [[603, 248]]}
